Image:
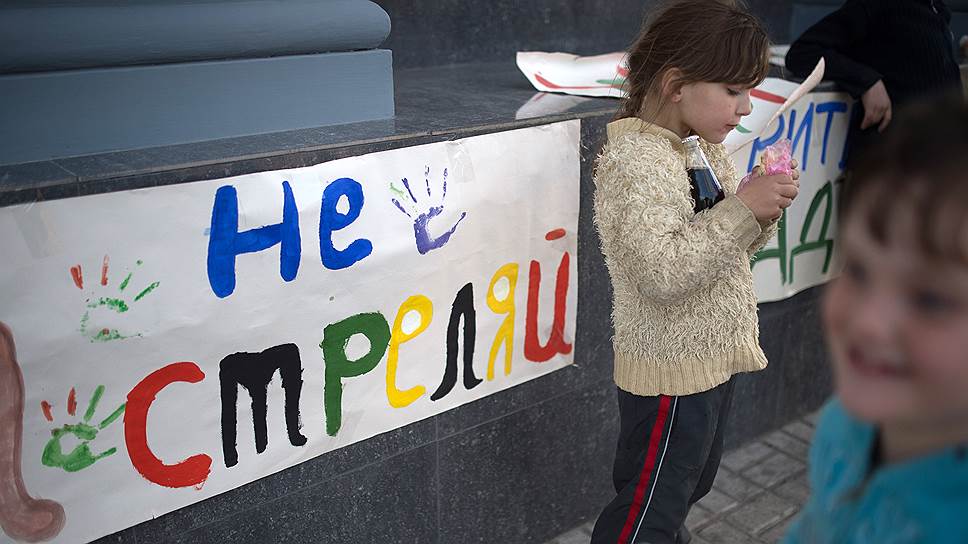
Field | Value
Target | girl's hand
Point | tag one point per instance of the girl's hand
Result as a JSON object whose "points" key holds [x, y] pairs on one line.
{"points": [[768, 196]]}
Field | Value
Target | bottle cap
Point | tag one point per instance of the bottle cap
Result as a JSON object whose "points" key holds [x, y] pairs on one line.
{"points": [[691, 141]]}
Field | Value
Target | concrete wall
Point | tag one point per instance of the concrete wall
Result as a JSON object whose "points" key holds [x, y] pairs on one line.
{"points": [[49, 35], [84, 76], [436, 32]]}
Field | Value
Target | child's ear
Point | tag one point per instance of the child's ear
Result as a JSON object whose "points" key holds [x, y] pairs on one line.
{"points": [[672, 84]]}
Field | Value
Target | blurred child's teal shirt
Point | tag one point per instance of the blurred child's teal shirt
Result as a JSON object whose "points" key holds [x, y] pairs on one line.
{"points": [[924, 500]]}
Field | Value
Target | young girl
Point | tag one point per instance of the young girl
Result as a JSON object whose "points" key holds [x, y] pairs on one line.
{"points": [[889, 463], [684, 311]]}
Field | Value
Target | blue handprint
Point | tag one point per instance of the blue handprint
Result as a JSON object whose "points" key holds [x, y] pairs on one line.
{"points": [[425, 242]]}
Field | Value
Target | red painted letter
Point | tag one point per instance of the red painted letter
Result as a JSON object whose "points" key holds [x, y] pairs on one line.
{"points": [[191, 471], [533, 349]]}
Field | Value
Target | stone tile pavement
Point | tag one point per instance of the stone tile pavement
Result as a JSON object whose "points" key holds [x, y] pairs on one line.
{"points": [[759, 489]]}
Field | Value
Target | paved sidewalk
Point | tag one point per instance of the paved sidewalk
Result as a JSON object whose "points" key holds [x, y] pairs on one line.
{"points": [[759, 489]]}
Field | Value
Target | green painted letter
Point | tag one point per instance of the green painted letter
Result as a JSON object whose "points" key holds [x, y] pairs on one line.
{"points": [[335, 337]]}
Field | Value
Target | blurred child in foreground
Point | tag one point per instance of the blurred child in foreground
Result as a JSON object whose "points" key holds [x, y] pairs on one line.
{"points": [[889, 463]]}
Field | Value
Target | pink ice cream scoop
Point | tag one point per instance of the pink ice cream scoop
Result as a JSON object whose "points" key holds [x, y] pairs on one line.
{"points": [[776, 159]]}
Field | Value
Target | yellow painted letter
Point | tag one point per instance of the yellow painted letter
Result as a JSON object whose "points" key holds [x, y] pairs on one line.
{"points": [[505, 333], [423, 306]]}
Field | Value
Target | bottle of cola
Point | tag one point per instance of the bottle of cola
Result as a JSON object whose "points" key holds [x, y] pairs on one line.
{"points": [[706, 189]]}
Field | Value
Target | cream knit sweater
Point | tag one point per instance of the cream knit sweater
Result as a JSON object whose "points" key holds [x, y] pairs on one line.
{"points": [[684, 310]]}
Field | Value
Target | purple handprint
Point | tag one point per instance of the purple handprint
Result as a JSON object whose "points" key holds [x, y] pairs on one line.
{"points": [[425, 242]]}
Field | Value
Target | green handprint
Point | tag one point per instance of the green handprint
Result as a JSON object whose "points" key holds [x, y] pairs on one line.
{"points": [[96, 332], [81, 456]]}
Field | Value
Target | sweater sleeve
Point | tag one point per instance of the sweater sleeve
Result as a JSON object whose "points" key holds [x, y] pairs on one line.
{"points": [[725, 168], [768, 233], [649, 232], [833, 38]]}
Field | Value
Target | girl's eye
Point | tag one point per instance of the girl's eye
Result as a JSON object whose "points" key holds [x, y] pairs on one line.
{"points": [[732, 92]]}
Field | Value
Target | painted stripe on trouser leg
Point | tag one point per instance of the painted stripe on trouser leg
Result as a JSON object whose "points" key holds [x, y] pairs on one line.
{"points": [[672, 420], [653, 462]]}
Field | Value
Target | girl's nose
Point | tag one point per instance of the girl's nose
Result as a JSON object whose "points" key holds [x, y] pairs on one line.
{"points": [[745, 105]]}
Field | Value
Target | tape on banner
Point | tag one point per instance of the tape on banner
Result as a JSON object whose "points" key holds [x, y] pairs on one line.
{"points": [[461, 164], [38, 236]]}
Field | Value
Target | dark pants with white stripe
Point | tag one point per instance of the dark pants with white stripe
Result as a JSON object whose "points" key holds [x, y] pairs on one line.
{"points": [[668, 453]]}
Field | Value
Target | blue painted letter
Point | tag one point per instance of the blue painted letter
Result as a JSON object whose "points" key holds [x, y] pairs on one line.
{"points": [[331, 220], [226, 242], [805, 128], [831, 109]]}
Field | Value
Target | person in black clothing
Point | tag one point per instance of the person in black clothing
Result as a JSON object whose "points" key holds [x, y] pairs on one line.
{"points": [[884, 52]]}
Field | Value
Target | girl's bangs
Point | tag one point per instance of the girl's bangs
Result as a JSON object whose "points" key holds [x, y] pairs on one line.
{"points": [[742, 57]]}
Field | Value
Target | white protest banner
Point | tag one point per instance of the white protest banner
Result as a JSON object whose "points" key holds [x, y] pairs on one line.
{"points": [[600, 75], [178, 342], [802, 254]]}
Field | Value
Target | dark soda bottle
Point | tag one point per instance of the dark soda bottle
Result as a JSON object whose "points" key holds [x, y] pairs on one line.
{"points": [[706, 189]]}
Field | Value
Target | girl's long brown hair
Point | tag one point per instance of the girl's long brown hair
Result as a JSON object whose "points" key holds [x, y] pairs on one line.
{"points": [[707, 40]]}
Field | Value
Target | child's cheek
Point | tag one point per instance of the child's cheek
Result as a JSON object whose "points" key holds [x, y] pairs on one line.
{"points": [[939, 353], [834, 313], [834, 310]]}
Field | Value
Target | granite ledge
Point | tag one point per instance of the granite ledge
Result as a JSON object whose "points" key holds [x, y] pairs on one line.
{"points": [[433, 104]]}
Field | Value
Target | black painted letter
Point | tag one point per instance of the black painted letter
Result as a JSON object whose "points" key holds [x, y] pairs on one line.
{"points": [[463, 306], [254, 371]]}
